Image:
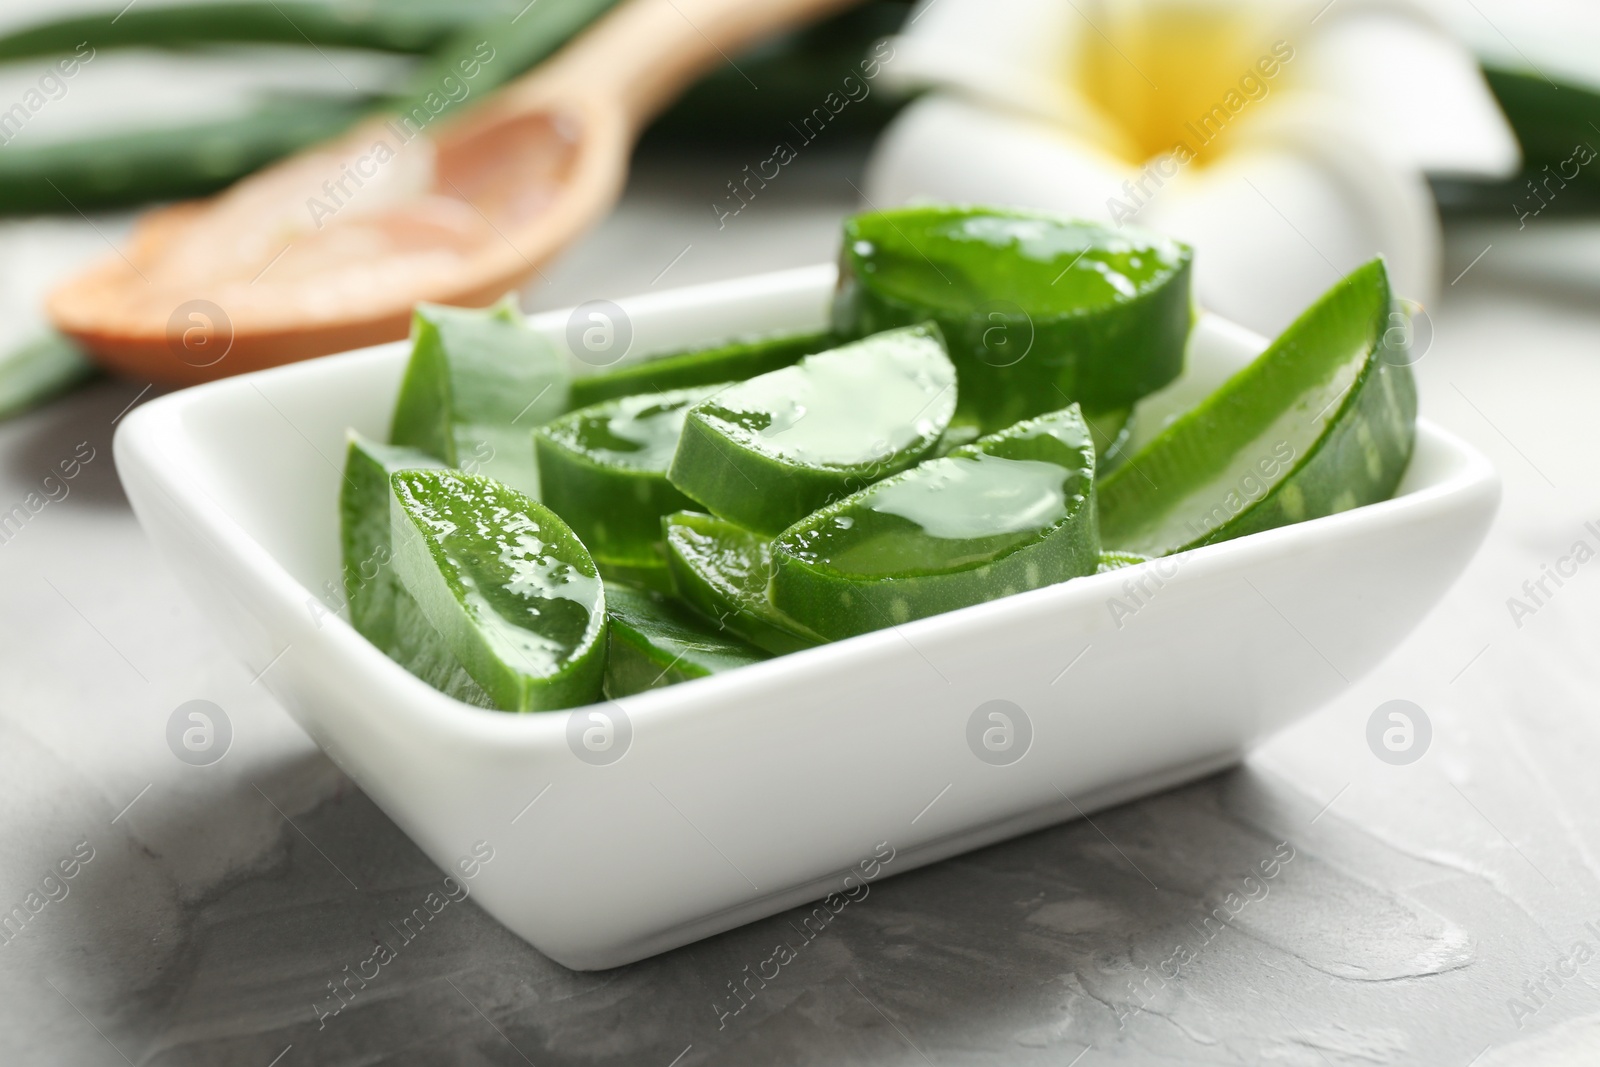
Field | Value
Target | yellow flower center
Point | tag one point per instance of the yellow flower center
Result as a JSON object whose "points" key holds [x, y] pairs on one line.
{"points": [[1173, 74]]}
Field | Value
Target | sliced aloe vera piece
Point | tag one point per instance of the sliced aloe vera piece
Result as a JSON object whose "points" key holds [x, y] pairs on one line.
{"points": [[643, 574], [1009, 512], [1322, 421], [766, 452], [732, 361], [721, 570], [656, 641], [1038, 310], [1115, 561], [39, 370], [514, 594], [603, 469], [478, 382], [958, 434], [380, 608], [1111, 431]]}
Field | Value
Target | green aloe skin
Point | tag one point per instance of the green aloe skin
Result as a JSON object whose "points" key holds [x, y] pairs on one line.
{"points": [[1039, 311], [1322, 421], [656, 641], [1115, 561], [1111, 431], [852, 487], [722, 571], [732, 361], [514, 594], [478, 383], [766, 452], [40, 369], [1009, 512], [603, 469], [380, 608]]}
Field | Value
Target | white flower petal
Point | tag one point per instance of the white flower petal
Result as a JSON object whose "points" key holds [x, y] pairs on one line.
{"points": [[1399, 69], [1420, 94], [1015, 52], [943, 147], [1300, 198], [1557, 39]]}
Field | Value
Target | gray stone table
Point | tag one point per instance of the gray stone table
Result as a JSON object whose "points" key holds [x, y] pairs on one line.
{"points": [[1412, 909]]}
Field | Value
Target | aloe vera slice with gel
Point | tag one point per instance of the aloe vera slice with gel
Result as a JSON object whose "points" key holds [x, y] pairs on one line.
{"points": [[603, 469], [722, 570], [477, 384], [656, 641], [1009, 512], [513, 593], [380, 608], [1039, 311], [732, 361], [1324, 420], [768, 451]]}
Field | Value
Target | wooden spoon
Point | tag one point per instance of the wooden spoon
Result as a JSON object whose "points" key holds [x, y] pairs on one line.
{"points": [[330, 249]]}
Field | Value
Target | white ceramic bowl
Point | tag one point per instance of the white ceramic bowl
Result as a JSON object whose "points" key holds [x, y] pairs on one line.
{"points": [[747, 793]]}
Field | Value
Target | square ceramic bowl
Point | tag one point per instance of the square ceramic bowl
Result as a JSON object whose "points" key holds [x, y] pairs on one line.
{"points": [[626, 829]]}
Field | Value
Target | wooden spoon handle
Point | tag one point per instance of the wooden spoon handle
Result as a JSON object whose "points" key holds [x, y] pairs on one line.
{"points": [[645, 52]]}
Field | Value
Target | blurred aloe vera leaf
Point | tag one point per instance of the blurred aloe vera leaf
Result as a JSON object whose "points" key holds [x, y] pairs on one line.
{"points": [[172, 162], [491, 51], [1555, 122], [411, 26], [120, 169], [40, 369], [795, 72]]}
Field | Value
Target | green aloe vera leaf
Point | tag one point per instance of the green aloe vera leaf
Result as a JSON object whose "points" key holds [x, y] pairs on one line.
{"points": [[380, 608], [478, 383], [514, 594], [603, 469], [1012, 511], [721, 570], [40, 370], [394, 26], [656, 641], [649, 574], [731, 361], [489, 52], [1038, 310], [166, 162], [1322, 421], [472, 48], [1111, 431], [766, 452]]}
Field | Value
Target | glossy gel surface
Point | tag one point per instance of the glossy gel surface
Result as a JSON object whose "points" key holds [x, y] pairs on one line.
{"points": [[502, 578], [1319, 422], [886, 395], [635, 432], [978, 503], [732, 361], [963, 260]]}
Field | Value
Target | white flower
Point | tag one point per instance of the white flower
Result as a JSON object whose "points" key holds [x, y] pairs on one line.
{"points": [[1287, 141], [1553, 39]]}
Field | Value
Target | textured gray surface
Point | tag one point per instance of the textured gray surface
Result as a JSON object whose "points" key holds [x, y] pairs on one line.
{"points": [[1418, 900]]}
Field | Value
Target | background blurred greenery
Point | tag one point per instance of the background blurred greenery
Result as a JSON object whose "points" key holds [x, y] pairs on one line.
{"points": [[168, 162], [148, 162]]}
